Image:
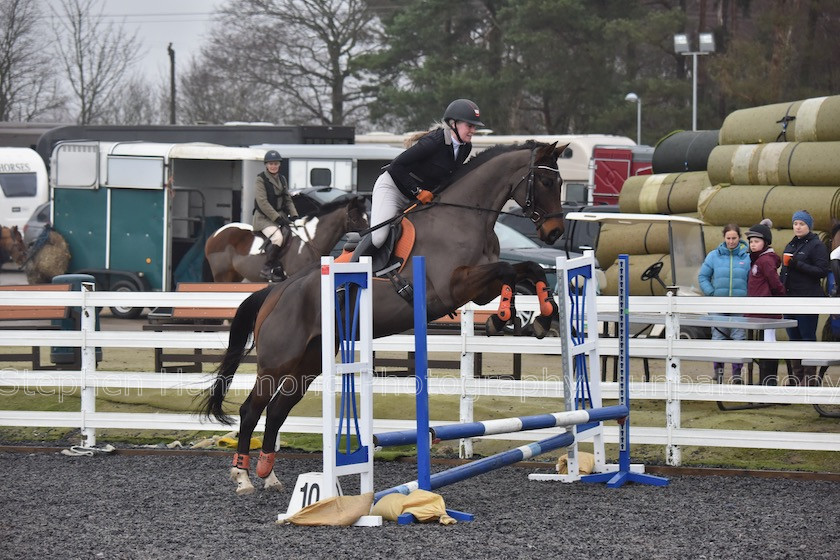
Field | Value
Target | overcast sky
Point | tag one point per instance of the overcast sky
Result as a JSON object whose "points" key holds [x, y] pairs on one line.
{"points": [[184, 23]]}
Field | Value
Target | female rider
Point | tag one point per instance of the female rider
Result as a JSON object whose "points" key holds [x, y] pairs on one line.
{"points": [[422, 170]]}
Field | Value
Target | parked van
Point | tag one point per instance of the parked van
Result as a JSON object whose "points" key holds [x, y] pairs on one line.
{"points": [[23, 185]]}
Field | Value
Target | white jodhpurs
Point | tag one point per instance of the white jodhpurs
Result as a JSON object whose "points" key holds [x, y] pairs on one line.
{"points": [[387, 202], [274, 234]]}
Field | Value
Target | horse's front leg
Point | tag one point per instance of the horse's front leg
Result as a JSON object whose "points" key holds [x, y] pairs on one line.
{"points": [[482, 284], [534, 274]]}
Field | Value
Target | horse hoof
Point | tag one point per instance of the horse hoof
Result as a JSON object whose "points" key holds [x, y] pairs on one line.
{"points": [[542, 326], [272, 483], [242, 480], [493, 326]]}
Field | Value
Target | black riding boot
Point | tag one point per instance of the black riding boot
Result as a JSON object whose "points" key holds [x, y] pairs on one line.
{"points": [[272, 270]]}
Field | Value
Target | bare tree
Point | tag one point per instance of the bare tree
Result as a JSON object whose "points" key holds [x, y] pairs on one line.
{"points": [[138, 102], [27, 86], [210, 94], [96, 56], [306, 51]]}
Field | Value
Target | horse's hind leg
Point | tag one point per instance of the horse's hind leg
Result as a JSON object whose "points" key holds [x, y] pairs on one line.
{"points": [[292, 389], [278, 410], [249, 414]]}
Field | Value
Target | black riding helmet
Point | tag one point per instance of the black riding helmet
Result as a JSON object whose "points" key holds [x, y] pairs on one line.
{"points": [[272, 155], [463, 110], [761, 230]]}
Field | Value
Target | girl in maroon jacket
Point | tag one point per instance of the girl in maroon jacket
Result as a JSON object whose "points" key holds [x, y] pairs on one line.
{"points": [[763, 280]]}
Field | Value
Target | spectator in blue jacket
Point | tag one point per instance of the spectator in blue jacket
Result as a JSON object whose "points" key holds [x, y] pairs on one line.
{"points": [[724, 273]]}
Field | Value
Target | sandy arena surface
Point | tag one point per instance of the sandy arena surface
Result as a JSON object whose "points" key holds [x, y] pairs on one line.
{"points": [[149, 507]]}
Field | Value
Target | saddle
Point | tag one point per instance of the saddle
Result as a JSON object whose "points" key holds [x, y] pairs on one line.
{"points": [[391, 256], [388, 260]]}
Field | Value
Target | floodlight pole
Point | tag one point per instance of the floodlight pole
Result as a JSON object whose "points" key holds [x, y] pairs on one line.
{"points": [[694, 91]]}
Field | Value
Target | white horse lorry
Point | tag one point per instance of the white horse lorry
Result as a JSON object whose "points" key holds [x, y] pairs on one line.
{"points": [[23, 185], [136, 215]]}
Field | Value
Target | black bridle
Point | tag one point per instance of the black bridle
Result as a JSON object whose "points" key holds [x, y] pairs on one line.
{"points": [[533, 212]]}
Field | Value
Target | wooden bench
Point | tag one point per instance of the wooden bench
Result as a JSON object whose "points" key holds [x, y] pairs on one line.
{"points": [[197, 319], [32, 317]]}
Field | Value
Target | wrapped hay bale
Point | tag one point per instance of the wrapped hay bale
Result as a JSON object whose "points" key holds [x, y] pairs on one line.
{"points": [[747, 205], [639, 287], [685, 150], [811, 120], [633, 239], [47, 259], [669, 193], [776, 163]]}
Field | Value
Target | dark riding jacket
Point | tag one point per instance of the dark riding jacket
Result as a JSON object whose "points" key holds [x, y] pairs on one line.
{"points": [[271, 201], [810, 264], [428, 164]]}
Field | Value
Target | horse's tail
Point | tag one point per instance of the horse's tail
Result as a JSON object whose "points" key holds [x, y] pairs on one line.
{"points": [[240, 329]]}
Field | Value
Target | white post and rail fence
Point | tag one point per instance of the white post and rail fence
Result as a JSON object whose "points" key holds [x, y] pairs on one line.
{"points": [[671, 387]]}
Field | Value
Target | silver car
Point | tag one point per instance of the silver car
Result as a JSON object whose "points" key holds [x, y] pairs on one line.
{"points": [[37, 222]]}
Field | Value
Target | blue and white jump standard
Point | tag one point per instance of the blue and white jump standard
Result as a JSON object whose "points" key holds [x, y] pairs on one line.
{"points": [[346, 316], [581, 364], [624, 474]]}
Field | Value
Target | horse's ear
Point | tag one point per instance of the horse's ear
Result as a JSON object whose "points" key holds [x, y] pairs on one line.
{"points": [[558, 151], [546, 151]]}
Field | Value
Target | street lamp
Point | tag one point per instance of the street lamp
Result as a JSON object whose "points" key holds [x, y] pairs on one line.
{"points": [[681, 46], [633, 98]]}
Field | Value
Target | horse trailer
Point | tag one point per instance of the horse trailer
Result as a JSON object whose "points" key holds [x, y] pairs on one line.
{"points": [[23, 185], [136, 215]]}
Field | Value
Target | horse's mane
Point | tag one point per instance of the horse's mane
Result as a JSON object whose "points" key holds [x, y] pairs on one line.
{"points": [[339, 202], [489, 154]]}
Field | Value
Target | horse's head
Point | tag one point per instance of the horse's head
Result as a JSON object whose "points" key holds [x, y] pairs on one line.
{"points": [[17, 250], [357, 218], [538, 193]]}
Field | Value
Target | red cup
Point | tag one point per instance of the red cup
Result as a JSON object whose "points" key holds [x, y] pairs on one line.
{"points": [[786, 258]]}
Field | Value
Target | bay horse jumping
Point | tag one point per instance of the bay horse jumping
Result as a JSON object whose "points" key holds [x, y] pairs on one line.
{"points": [[234, 251], [454, 233]]}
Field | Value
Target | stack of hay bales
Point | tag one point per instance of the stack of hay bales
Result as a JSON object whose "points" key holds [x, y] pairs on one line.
{"points": [[773, 161], [679, 177], [764, 162]]}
